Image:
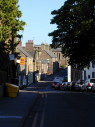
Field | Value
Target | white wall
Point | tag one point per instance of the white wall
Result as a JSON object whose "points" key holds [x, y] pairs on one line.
{"points": [[88, 72], [69, 73]]}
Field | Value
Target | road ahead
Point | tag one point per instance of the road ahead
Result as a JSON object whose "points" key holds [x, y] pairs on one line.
{"points": [[56, 108]]}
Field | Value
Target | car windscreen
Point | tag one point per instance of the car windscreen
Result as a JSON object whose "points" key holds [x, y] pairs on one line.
{"points": [[92, 80], [58, 78]]}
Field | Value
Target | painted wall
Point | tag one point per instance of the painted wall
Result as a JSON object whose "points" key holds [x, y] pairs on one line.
{"points": [[89, 72]]}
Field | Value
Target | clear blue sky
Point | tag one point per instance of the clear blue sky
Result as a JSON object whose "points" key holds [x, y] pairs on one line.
{"points": [[37, 15]]}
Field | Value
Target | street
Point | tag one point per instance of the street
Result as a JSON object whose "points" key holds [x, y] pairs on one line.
{"points": [[47, 63], [55, 108]]}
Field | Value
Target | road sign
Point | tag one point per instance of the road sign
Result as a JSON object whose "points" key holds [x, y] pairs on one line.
{"points": [[11, 56], [22, 61]]}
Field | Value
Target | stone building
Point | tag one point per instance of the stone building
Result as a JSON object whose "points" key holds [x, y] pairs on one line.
{"points": [[24, 67], [63, 61], [49, 63], [45, 60]]}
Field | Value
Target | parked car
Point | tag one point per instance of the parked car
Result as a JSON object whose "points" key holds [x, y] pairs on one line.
{"points": [[93, 87], [72, 85], [79, 84], [58, 84], [59, 78], [68, 85], [53, 84], [56, 80], [64, 86], [88, 84]]}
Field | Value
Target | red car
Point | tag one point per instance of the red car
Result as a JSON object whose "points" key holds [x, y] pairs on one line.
{"points": [[58, 84]]}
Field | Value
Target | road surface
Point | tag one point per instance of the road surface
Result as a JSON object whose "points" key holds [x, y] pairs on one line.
{"points": [[55, 108]]}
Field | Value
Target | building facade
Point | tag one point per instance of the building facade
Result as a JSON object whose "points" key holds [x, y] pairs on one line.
{"points": [[24, 67], [89, 72], [46, 61]]}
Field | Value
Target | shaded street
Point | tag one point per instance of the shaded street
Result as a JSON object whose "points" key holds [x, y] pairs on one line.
{"points": [[55, 108]]}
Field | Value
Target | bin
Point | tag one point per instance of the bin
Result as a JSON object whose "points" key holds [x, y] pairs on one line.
{"points": [[12, 90]]}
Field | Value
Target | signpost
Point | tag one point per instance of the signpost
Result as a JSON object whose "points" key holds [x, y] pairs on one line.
{"points": [[11, 56]]}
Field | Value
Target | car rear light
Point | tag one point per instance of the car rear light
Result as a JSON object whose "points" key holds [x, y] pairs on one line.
{"points": [[89, 85], [62, 84]]}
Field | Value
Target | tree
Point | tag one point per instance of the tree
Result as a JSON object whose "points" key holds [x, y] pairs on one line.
{"points": [[10, 25], [75, 32]]}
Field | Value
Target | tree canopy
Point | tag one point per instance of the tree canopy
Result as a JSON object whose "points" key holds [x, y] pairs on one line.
{"points": [[75, 32], [10, 25]]}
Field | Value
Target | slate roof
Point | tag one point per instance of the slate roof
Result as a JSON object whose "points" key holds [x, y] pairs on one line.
{"points": [[57, 50], [23, 51], [50, 53], [32, 53], [44, 61], [37, 45]]}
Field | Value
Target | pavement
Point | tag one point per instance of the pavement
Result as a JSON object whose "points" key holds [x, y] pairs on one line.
{"points": [[14, 111]]}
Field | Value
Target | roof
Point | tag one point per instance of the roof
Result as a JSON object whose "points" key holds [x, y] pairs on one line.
{"points": [[51, 54], [45, 61], [57, 50], [37, 45], [23, 51], [31, 53]]}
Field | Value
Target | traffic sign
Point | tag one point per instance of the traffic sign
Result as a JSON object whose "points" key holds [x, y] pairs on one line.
{"points": [[22, 61]]}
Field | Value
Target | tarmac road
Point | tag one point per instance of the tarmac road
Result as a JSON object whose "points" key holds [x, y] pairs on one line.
{"points": [[61, 108]]}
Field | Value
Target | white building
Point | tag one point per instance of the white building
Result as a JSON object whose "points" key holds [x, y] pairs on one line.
{"points": [[74, 74], [89, 72]]}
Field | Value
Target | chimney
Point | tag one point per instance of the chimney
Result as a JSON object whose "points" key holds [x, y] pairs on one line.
{"points": [[29, 45]]}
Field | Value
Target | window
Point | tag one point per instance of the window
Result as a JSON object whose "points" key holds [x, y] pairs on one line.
{"points": [[93, 74], [59, 56], [93, 65], [92, 80], [88, 76]]}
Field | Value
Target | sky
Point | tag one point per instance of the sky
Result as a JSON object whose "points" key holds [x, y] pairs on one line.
{"points": [[37, 15]]}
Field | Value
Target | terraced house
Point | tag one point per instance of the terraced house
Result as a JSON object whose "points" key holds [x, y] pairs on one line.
{"points": [[46, 61]]}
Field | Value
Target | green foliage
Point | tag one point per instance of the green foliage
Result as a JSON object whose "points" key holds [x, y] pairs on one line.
{"points": [[75, 31], [9, 19], [4, 56], [64, 66], [10, 25]]}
